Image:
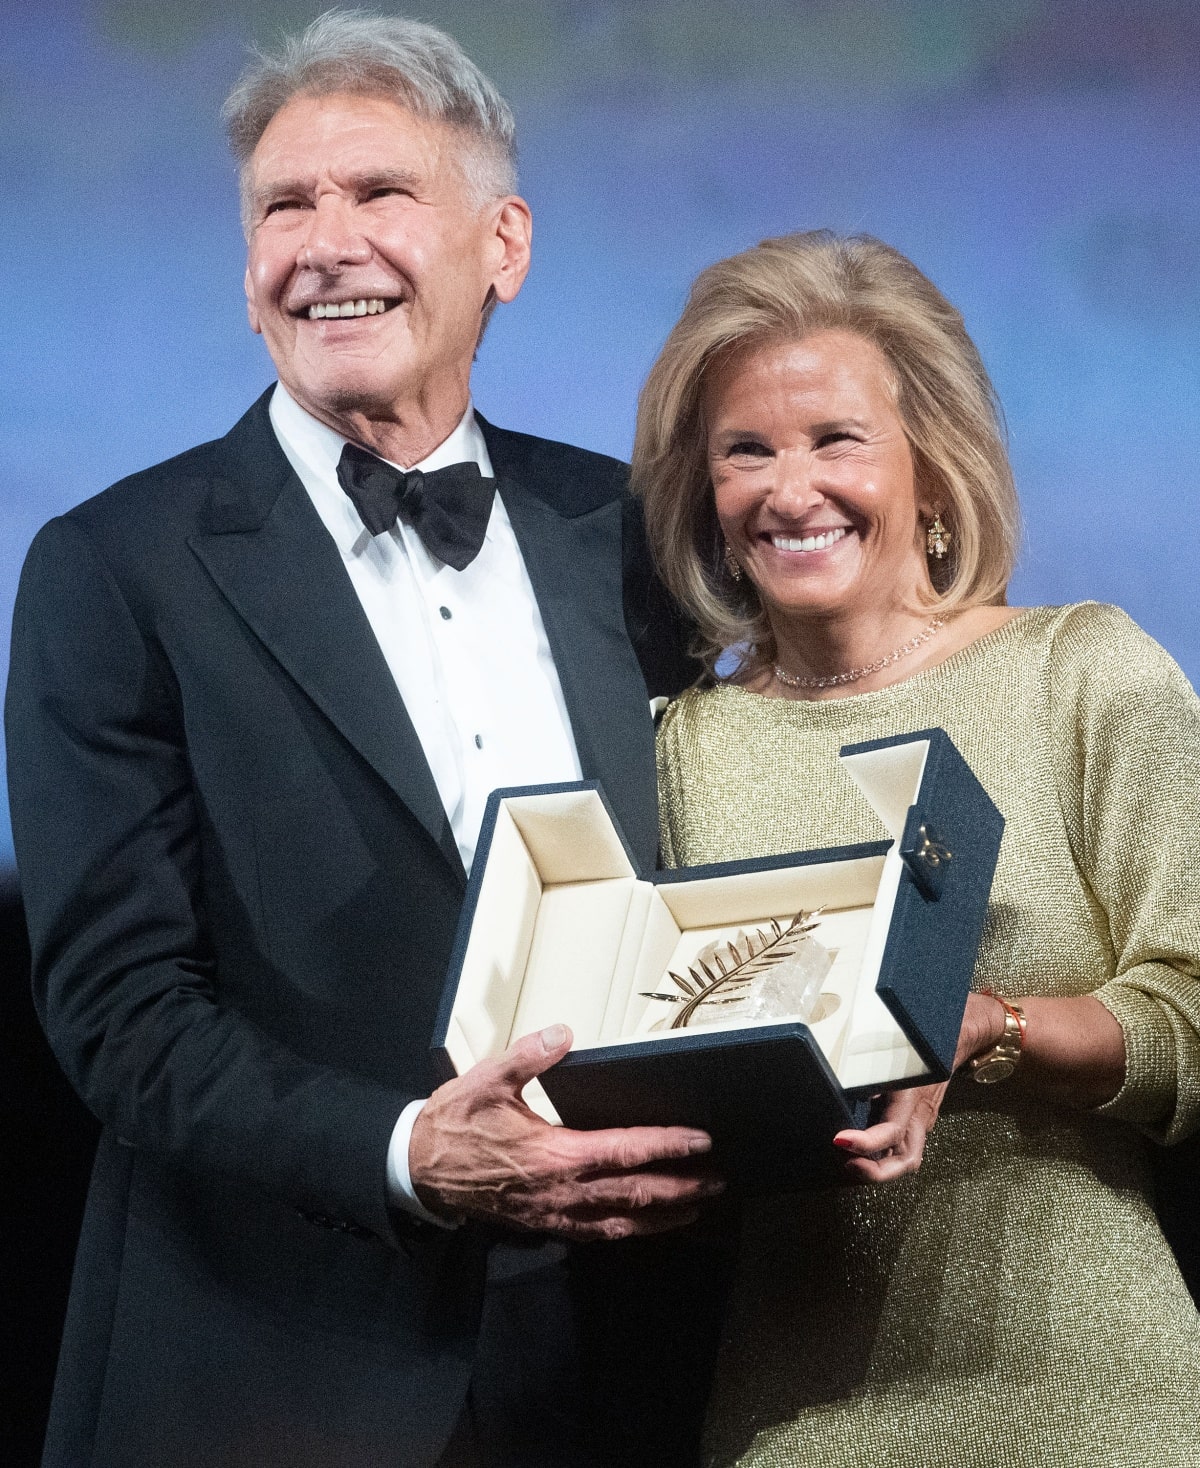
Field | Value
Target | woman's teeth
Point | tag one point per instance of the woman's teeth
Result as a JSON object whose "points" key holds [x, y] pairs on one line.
{"points": [[808, 542], [345, 308]]}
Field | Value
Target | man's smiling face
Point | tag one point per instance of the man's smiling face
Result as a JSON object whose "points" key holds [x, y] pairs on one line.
{"points": [[369, 260]]}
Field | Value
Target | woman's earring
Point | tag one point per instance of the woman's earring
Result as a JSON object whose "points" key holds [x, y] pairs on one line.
{"points": [[937, 538], [731, 564]]}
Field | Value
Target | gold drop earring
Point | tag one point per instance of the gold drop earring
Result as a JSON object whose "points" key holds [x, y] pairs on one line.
{"points": [[938, 539], [731, 564]]}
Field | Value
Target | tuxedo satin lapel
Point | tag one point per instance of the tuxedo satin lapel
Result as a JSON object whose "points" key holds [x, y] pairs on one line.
{"points": [[574, 564], [284, 577]]}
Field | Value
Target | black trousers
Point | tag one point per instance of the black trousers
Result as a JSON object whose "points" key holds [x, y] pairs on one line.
{"points": [[596, 1356]]}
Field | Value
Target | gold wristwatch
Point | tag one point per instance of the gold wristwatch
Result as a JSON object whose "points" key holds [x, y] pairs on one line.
{"points": [[998, 1063]]}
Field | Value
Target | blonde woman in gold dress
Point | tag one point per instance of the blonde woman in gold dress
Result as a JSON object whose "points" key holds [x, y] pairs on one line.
{"points": [[826, 487]]}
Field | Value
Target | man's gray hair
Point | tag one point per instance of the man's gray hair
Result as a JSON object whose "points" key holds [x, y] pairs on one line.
{"points": [[414, 64]]}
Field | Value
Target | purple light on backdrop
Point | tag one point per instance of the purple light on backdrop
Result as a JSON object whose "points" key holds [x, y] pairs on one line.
{"points": [[1039, 161]]}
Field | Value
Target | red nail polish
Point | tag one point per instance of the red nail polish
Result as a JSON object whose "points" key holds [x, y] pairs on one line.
{"points": [[844, 1143]]}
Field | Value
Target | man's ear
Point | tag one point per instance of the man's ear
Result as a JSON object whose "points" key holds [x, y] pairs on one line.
{"points": [[251, 308], [513, 244]]}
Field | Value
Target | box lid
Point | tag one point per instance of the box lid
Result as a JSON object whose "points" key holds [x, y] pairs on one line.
{"points": [[947, 833]]}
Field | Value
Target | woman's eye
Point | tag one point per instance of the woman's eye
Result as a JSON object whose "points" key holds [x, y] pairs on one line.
{"points": [[747, 447], [827, 440]]}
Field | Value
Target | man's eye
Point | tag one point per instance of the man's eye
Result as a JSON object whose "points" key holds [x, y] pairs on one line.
{"points": [[277, 206]]}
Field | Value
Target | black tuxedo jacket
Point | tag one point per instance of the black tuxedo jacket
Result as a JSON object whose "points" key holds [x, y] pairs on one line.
{"points": [[242, 891]]}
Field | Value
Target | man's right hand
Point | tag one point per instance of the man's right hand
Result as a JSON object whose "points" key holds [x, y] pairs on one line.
{"points": [[478, 1151]]}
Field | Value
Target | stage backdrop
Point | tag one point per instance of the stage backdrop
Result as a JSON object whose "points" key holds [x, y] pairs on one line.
{"points": [[1039, 160]]}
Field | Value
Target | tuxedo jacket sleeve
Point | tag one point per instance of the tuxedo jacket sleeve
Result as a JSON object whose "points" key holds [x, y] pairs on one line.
{"points": [[151, 821], [242, 891]]}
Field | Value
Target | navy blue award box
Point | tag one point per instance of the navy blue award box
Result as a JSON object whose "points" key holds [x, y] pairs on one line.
{"points": [[558, 925]]}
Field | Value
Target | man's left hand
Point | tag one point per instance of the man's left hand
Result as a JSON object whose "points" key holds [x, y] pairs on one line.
{"points": [[478, 1151]]}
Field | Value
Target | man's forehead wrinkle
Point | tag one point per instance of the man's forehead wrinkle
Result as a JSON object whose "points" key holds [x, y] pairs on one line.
{"points": [[385, 177], [356, 178]]}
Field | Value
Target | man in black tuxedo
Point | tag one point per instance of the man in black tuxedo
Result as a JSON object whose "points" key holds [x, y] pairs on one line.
{"points": [[258, 696]]}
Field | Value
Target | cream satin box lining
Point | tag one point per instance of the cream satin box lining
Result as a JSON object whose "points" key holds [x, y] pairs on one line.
{"points": [[565, 931]]}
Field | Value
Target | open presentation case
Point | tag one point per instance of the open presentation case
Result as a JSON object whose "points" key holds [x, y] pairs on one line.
{"points": [[559, 925]]}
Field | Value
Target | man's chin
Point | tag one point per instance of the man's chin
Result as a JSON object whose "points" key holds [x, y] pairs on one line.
{"points": [[340, 398]]}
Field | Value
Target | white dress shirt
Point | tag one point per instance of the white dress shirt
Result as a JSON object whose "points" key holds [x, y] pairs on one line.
{"points": [[467, 649]]}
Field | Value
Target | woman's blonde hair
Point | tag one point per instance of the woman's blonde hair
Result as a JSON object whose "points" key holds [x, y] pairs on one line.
{"points": [[781, 290]]}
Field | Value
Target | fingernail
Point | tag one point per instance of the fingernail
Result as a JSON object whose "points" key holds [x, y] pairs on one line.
{"points": [[553, 1036], [844, 1143], [700, 1144]]}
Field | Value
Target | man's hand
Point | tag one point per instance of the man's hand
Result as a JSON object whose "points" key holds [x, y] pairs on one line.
{"points": [[477, 1150]]}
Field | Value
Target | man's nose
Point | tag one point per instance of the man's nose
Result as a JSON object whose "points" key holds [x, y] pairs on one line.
{"points": [[333, 240]]}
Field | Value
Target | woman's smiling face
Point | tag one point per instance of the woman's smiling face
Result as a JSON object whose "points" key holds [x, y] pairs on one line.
{"points": [[813, 478]]}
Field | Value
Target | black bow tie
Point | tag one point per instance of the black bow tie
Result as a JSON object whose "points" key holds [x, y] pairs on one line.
{"points": [[449, 508]]}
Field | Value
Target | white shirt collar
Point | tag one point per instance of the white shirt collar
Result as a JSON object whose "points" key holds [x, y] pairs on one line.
{"points": [[313, 450]]}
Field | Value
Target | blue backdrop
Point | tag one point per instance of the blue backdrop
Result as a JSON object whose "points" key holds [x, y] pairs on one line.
{"points": [[1040, 161]]}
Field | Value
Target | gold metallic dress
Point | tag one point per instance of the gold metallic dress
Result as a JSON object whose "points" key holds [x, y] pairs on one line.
{"points": [[1013, 1304]]}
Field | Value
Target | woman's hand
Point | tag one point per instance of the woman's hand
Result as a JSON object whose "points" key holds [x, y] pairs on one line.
{"points": [[895, 1144]]}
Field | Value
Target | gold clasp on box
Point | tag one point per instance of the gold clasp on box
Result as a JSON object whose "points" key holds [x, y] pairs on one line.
{"points": [[927, 859]]}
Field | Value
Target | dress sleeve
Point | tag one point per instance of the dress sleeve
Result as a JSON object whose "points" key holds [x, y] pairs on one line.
{"points": [[1126, 728]]}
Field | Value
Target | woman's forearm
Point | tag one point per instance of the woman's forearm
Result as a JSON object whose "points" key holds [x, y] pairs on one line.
{"points": [[1073, 1051]]}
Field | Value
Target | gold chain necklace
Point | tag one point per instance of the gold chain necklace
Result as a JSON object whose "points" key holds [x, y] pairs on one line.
{"points": [[836, 680]]}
